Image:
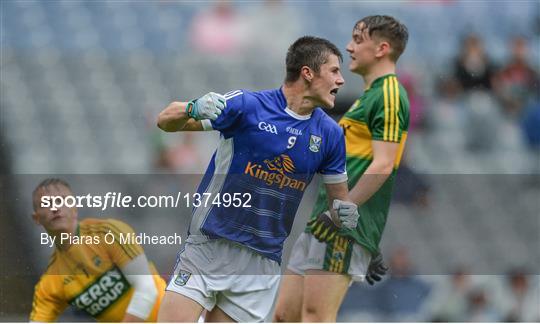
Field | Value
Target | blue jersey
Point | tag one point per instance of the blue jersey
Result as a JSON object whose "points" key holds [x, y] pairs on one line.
{"points": [[269, 153]]}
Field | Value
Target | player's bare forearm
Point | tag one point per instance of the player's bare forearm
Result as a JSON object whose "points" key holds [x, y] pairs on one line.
{"points": [[336, 191], [175, 119], [369, 183], [384, 156]]}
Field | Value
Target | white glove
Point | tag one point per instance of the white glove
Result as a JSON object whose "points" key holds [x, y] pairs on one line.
{"points": [[347, 213], [208, 106]]}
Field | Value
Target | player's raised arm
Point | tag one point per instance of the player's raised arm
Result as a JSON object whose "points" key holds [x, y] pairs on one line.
{"points": [[187, 116], [174, 118]]}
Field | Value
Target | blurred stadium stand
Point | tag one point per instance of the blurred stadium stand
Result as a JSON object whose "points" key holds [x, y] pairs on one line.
{"points": [[82, 83]]}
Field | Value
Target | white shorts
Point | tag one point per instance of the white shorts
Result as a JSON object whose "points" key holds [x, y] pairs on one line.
{"points": [[222, 273], [341, 256]]}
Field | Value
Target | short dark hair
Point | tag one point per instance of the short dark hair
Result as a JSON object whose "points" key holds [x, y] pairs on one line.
{"points": [[47, 183], [390, 29], [308, 51]]}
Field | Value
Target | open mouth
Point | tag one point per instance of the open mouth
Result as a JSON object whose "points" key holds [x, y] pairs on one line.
{"points": [[334, 91]]}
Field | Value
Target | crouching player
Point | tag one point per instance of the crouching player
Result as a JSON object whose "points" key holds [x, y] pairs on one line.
{"points": [[111, 282]]}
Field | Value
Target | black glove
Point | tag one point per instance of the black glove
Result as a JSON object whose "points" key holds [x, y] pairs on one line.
{"points": [[323, 228], [376, 269]]}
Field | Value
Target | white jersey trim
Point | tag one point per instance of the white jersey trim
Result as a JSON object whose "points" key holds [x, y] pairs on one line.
{"points": [[295, 115], [264, 212], [270, 192], [334, 178], [253, 230], [223, 160], [232, 94]]}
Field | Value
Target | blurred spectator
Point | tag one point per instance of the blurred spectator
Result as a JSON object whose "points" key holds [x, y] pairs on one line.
{"points": [[531, 125], [485, 298], [184, 155], [483, 121], [474, 75], [219, 30], [261, 19], [401, 297], [517, 82], [180, 155], [359, 304], [417, 105], [479, 309], [449, 90], [411, 187], [448, 300], [447, 111], [177, 154], [531, 130], [473, 68], [520, 300]]}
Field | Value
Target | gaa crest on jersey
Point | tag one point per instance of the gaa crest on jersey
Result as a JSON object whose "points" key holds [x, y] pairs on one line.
{"points": [[182, 278], [315, 143], [267, 127], [97, 261]]}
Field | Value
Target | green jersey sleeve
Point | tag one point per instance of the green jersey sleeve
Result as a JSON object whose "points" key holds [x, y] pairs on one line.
{"points": [[388, 117]]}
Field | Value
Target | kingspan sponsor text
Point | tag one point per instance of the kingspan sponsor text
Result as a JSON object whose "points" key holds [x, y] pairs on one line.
{"points": [[271, 177]]}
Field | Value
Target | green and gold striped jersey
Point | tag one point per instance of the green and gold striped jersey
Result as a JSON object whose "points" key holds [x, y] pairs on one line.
{"points": [[88, 275], [381, 114]]}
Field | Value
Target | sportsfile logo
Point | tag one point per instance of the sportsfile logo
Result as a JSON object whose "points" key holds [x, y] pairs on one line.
{"points": [[102, 293], [267, 127], [275, 172]]}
